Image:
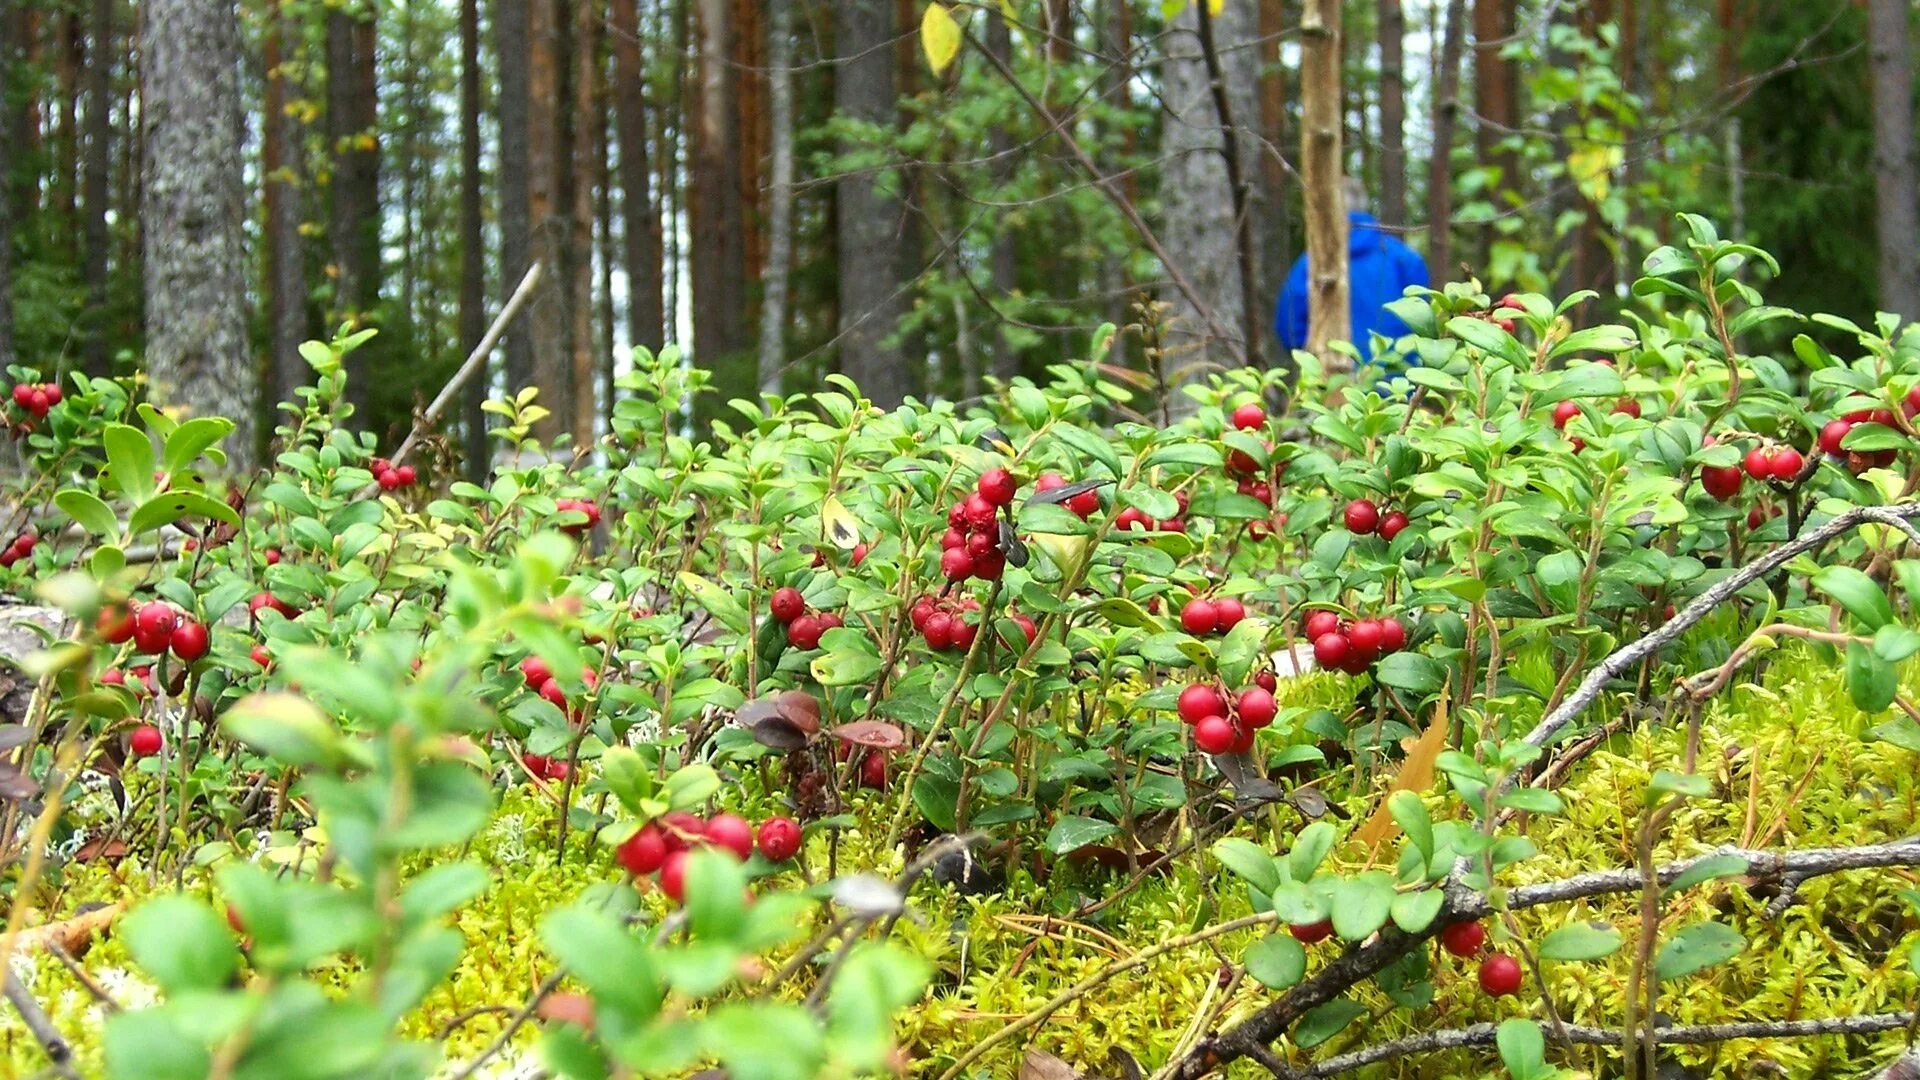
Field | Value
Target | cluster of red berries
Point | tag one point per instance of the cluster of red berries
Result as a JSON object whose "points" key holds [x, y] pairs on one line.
{"points": [[544, 767], [1353, 649], [1201, 616], [36, 398], [539, 679], [1223, 727], [804, 627], [971, 545], [393, 477], [1138, 521], [585, 506], [1778, 464], [263, 601], [1860, 461], [1499, 973], [1362, 517], [1564, 412], [154, 629], [662, 846], [21, 547], [1510, 301], [942, 622]]}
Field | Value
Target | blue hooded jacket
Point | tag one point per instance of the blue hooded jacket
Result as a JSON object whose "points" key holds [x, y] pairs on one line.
{"points": [[1379, 269]]}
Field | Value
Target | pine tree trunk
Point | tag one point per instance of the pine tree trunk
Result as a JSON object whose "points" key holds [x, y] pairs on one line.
{"points": [[867, 219], [1277, 239], [584, 127], [717, 259], [511, 27], [1493, 98], [1202, 230], [1005, 257], [1896, 188], [640, 221], [1393, 115], [194, 208], [1328, 314], [353, 225], [1446, 115], [473, 259], [94, 181], [11, 134], [281, 164], [773, 302], [547, 315]]}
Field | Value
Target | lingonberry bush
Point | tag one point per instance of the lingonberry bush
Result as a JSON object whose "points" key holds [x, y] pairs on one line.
{"points": [[1038, 643]]}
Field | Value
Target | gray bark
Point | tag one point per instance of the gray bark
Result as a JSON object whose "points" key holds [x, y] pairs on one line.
{"points": [[472, 315], [516, 238], [867, 216], [1194, 190], [9, 136], [99, 91], [1005, 259], [287, 277], [1446, 112], [1896, 186], [193, 209], [773, 304], [1393, 115]]}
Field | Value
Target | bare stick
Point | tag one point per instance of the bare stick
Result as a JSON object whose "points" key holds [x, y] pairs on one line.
{"points": [[44, 1032], [474, 361], [1484, 1034]]}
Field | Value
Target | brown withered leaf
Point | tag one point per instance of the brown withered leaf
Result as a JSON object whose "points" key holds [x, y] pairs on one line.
{"points": [[872, 734]]}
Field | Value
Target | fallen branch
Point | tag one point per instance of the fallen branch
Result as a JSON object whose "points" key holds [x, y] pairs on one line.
{"points": [[41, 1027], [1484, 1035], [475, 360], [1463, 904]]}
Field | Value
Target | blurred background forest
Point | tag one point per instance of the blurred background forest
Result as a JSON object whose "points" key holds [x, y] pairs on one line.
{"points": [[787, 188]]}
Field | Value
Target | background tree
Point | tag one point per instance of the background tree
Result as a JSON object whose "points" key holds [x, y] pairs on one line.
{"points": [[866, 214], [1328, 312], [1895, 181]]}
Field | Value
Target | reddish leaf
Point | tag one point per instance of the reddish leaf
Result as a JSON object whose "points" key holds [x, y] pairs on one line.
{"points": [[568, 1009], [872, 734]]}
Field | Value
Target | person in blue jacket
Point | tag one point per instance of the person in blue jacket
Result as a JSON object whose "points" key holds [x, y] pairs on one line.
{"points": [[1379, 269]]}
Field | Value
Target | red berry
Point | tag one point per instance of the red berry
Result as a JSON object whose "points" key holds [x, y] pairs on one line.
{"points": [[1249, 416], [1362, 516], [1500, 975], [804, 632], [1199, 701], [113, 676], [1227, 613], [1320, 623], [189, 641], [1131, 518], [1786, 464], [980, 514], [673, 876], [554, 694], [406, 474], [1256, 707], [1833, 433], [1026, 627], [730, 832], [956, 564], [990, 566], [922, 610], [788, 604], [1759, 463], [682, 830], [389, 480], [1332, 650], [153, 627], [1199, 616], [1214, 734], [261, 656], [998, 486], [1266, 680], [1241, 463], [643, 852], [39, 404], [830, 620], [963, 633], [115, 625], [273, 556], [1393, 636], [859, 554], [1463, 938], [1308, 933], [1911, 404], [1172, 525], [1366, 638], [980, 544], [1564, 412], [1721, 481], [779, 838], [938, 631], [952, 538], [535, 673], [1048, 481], [1628, 407], [22, 393], [1085, 504], [145, 741], [1392, 524], [873, 771]]}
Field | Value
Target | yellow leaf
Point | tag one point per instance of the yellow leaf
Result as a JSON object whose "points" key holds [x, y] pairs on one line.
{"points": [[939, 37], [838, 526], [1215, 7], [1591, 167], [1415, 775]]}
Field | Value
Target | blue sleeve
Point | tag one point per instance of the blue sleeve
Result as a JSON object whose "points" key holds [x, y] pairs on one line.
{"points": [[1290, 314]]}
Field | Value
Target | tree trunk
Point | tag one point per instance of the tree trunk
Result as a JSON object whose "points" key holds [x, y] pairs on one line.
{"points": [[547, 315], [194, 208], [1896, 189], [1493, 88], [867, 218], [715, 217], [773, 302], [1393, 115], [640, 222], [1446, 114], [473, 260], [99, 80], [584, 126], [1328, 314], [1277, 239], [280, 163], [1005, 256], [353, 226], [11, 134], [512, 29], [1203, 231]]}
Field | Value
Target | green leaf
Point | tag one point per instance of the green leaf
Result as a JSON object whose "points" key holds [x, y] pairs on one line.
{"points": [[691, 785], [847, 668], [1533, 800], [1580, 941], [1902, 731], [877, 979], [1411, 814], [716, 886], [1241, 649], [1412, 672], [129, 460], [153, 1044], [1072, 832], [1713, 866], [1362, 905], [442, 889], [1310, 848], [1701, 945], [1688, 785], [1523, 1049], [171, 506], [88, 510], [1324, 1022], [1415, 911], [1250, 862], [1871, 681], [182, 944], [1859, 594], [191, 439], [716, 600], [606, 959], [1276, 961]]}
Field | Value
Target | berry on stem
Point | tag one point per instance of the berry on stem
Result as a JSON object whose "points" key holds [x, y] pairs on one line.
{"points": [[1464, 939], [1500, 975], [643, 852], [1199, 616], [1214, 734], [145, 741], [1199, 701], [779, 838], [1362, 516], [1249, 416], [787, 604], [1309, 933]]}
